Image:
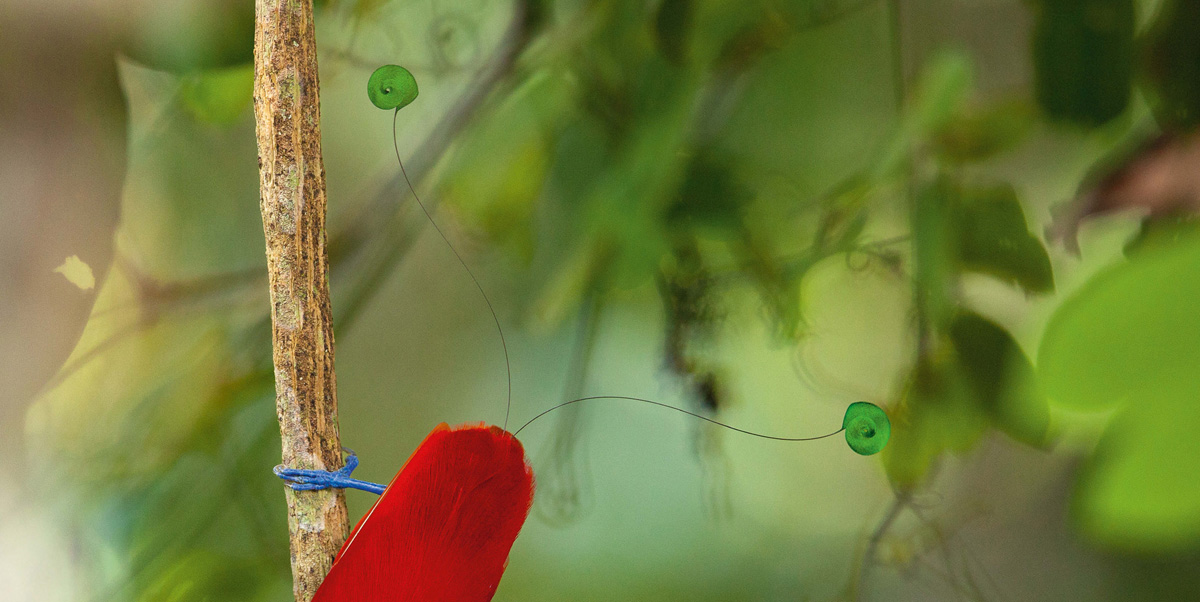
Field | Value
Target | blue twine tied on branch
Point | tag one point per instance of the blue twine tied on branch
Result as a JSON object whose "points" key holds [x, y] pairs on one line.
{"points": [[302, 479]]}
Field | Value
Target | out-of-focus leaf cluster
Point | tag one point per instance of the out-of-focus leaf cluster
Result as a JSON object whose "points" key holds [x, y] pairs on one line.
{"points": [[682, 149], [970, 374], [156, 431]]}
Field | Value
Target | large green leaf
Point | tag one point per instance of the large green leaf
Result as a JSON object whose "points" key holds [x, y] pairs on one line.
{"points": [[1001, 377], [1130, 340], [1139, 491], [993, 239]]}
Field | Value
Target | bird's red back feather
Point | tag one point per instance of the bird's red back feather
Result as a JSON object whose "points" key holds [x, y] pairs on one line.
{"points": [[442, 530]]}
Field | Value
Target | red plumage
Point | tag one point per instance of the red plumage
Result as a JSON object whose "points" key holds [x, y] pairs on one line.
{"points": [[442, 530]]}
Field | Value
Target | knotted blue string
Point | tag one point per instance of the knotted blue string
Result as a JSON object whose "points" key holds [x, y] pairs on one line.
{"points": [[301, 479]]}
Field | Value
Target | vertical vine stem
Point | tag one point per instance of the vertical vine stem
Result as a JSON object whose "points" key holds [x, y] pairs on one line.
{"points": [[292, 199]]}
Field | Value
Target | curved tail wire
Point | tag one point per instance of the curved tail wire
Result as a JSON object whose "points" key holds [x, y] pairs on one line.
{"points": [[495, 318]]}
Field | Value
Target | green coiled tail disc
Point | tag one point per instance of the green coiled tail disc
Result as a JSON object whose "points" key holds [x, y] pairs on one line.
{"points": [[867, 428], [392, 87]]}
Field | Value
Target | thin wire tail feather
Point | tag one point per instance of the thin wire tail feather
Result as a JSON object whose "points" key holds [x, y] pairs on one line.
{"points": [[488, 301], [680, 410], [867, 437]]}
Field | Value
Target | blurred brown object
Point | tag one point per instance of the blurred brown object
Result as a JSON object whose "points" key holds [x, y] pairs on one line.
{"points": [[62, 163], [1160, 178], [63, 121]]}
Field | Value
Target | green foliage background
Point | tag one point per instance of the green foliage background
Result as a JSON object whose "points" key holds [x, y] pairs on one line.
{"points": [[764, 210]]}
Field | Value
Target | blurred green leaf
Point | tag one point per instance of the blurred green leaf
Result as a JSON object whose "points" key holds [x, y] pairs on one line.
{"points": [[1129, 340], [1172, 65], [186, 35], [1136, 492], [1129, 330], [710, 198], [671, 25], [1162, 231], [938, 413], [627, 205], [1001, 377], [219, 96], [977, 133], [944, 84], [943, 87], [204, 576], [994, 239], [1083, 58], [499, 191], [975, 378]]}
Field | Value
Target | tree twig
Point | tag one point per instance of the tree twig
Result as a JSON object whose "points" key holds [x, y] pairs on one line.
{"points": [[292, 188]]}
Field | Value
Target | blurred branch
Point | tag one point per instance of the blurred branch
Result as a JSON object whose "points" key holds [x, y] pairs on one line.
{"points": [[292, 182], [565, 486]]}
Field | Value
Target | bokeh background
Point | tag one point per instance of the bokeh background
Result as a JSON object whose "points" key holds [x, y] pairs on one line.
{"points": [[976, 214]]}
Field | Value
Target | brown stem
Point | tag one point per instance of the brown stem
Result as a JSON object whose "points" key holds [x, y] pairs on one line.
{"points": [[292, 181]]}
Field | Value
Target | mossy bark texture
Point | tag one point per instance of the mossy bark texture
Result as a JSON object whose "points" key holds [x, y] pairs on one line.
{"points": [[292, 198]]}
